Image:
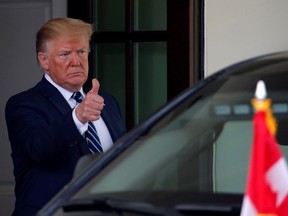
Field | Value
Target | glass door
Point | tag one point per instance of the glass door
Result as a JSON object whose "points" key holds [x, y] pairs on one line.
{"points": [[143, 51]]}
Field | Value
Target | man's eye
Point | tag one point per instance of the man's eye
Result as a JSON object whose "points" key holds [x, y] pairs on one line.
{"points": [[82, 53], [64, 55]]}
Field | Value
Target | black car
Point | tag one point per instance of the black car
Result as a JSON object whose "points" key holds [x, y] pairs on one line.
{"points": [[190, 158]]}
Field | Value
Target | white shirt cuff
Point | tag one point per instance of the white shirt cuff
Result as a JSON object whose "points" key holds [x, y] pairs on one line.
{"points": [[81, 127]]}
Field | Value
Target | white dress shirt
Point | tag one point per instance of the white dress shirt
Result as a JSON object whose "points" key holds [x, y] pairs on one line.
{"points": [[103, 132]]}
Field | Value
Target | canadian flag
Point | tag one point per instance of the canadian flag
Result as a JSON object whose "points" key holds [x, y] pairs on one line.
{"points": [[267, 184]]}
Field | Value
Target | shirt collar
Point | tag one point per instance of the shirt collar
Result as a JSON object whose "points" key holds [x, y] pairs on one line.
{"points": [[65, 93]]}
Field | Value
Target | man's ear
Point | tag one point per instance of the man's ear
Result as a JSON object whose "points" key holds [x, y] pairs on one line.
{"points": [[43, 60]]}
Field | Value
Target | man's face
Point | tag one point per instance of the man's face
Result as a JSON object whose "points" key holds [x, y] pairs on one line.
{"points": [[66, 61]]}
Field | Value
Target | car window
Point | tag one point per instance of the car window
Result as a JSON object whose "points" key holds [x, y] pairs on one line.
{"points": [[203, 145], [189, 154]]}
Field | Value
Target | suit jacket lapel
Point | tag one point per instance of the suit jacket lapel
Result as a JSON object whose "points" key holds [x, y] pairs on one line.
{"points": [[55, 97], [50, 92], [109, 123]]}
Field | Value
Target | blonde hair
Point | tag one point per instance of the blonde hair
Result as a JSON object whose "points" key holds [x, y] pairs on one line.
{"points": [[61, 26]]}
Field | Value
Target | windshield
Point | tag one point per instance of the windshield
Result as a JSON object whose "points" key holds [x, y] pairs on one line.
{"points": [[201, 146]]}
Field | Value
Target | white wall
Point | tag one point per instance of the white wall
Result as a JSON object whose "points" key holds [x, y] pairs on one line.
{"points": [[240, 29]]}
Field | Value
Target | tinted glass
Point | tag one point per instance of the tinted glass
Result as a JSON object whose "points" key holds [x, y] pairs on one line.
{"points": [[109, 15], [150, 15], [204, 144], [150, 70], [110, 65]]}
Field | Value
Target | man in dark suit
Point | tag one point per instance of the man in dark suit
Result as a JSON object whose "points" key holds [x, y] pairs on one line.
{"points": [[47, 126]]}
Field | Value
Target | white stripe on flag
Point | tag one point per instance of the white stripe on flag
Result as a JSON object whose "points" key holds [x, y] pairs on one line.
{"points": [[248, 209], [277, 176]]}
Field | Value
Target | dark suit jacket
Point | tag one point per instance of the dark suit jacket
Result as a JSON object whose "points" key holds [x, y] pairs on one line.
{"points": [[46, 144]]}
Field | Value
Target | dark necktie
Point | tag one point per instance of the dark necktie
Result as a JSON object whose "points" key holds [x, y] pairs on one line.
{"points": [[91, 134]]}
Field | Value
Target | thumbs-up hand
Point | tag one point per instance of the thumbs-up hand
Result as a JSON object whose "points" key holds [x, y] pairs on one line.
{"points": [[95, 86], [92, 105]]}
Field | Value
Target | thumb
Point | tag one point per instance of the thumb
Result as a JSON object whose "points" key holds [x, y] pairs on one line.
{"points": [[95, 86]]}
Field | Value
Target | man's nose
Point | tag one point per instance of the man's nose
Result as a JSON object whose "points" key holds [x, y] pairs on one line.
{"points": [[74, 58]]}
